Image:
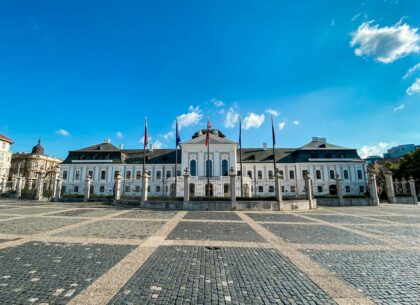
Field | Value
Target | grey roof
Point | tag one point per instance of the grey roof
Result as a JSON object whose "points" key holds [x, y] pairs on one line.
{"points": [[320, 144], [156, 156], [100, 147]]}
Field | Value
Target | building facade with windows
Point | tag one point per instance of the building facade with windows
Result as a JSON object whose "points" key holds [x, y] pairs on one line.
{"points": [[5, 155], [323, 161]]}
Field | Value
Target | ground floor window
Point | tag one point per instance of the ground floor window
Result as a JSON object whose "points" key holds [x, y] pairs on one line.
{"points": [[320, 189], [76, 189], [102, 189], [271, 189], [347, 189]]}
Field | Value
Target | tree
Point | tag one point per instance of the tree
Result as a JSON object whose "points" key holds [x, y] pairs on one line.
{"points": [[409, 166]]}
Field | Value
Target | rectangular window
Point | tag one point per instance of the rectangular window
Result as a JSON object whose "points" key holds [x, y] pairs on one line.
{"points": [[346, 174], [318, 174], [249, 174], [77, 175], [361, 189], [90, 173], [137, 188], [282, 188], [332, 174], [158, 175], [102, 189], [115, 174], [347, 189], [293, 189], [359, 174], [260, 175], [127, 189], [76, 189], [63, 189], [260, 189], [270, 174], [65, 175], [271, 189], [320, 190], [157, 188], [291, 174], [168, 174], [282, 174], [128, 175], [103, 175], [304, 172], [138, 175]]}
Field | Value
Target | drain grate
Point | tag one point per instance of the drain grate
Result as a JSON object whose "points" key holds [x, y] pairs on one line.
{"points": [[213, 248]]}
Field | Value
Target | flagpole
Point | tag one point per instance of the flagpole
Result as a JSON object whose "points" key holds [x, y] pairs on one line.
{"points": [[274, 144], [176, 155], [208, 160], [145, 140], [240, 155]]}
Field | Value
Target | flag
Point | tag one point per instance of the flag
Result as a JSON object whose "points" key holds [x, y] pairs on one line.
{"points": [[273, 132], [208, 132], [177, 136], [240, 132], [146, 134]]}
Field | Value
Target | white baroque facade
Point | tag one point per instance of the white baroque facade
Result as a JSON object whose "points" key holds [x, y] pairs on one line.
{"points": [[323, 161], [5, 155]]}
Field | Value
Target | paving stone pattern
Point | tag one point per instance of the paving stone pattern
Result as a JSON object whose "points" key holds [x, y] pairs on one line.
{"points": [[34, 225], [212, 216], [222, 231], [387, 277], [277, 217], [53, 273], [318, 234], [148, 214], [86, 213], [400, 219], [129, 229], [348, 219], [30, 211], [196, 275]]}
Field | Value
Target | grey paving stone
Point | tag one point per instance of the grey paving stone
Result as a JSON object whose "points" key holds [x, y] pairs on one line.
{"points": [[34, 225], [318, 234], [392, 231], [86, 212], [196, 275], [386, 277], [2, 207], [400, 219], [277, 217], [53, 273], [31, 210], [212, 216], [223, 231], [5, 217], [148, 214], [127, 229], [345, 219]]}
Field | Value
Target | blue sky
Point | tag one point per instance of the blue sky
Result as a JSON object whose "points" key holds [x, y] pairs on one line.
{"points": [[77, 72]]}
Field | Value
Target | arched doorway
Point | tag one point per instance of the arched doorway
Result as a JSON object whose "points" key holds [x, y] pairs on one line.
{"points": [[209, 190], [192, 189], [226, 190]]}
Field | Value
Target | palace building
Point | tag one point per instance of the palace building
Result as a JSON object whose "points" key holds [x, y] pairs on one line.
{"points": [[323, 162]]}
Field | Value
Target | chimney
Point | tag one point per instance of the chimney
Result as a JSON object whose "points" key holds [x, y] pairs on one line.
{"points": [[318, 139], [265, 146]]}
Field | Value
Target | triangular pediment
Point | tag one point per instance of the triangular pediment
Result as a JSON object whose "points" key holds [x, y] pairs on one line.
{"points": [[213, 140]]}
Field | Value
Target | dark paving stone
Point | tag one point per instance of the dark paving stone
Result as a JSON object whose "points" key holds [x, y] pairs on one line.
{"points": [[86, 213], [318, 234], [400, 219], [31, 210], [148, 214], [392, 231], [196, 275], [126, 229], [387, 277], [53, 273], [5, 217], [34, 225], [7, 207], [277, 217], [222, 231], [212, 216], [344, 219]]}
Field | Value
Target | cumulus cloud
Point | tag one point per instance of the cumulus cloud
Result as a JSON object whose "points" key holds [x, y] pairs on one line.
{"points": [[119, 134], [232, 117], [192, 117], [169, 135], [355, 17], [296, 122], [373, 150], [272, 112], [62, 132], [385, 44], [414, 88], [157, 145], [282, 125], [142, 140], [253, 120], [216, 102], [411, 71], [398, 108]]}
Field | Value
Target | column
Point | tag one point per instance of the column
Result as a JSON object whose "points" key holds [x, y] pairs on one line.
{"points": [[14, 181], [88, 182], [54, 185], [404, 186], [232, 175], [308, 187], [396, 186], [3, 184], [117, 187], [389, 185], [339, 186], [186, 188], [373, 189], [413, 189], [277, 181], [39, 186], [59, 182], [19, 181], [145, 186]]}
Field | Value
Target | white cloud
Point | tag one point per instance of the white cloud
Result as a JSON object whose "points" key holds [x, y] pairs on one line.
{"points": [[398, 108], [414, 88], [253, 120], [62, 132], [385, 44], [119, 134], [272, 112], [168, 135], [373, 150], [282, 125], [193, 116], [142, 140], [157, 145], [217, 103], [355, 17], [232, 117], [296, 122], [411, 71]]}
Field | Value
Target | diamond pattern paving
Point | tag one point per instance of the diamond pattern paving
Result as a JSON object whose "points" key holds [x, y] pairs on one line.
{"points": [[277, 217], [34, 225], [212, 216]]}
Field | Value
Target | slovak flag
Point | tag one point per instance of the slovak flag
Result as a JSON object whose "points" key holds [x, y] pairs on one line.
{"points": [[146, 134], [208, 132], [177, 136]]}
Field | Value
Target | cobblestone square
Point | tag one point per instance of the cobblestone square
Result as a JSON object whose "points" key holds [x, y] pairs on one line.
{"points": [[93, 254]]}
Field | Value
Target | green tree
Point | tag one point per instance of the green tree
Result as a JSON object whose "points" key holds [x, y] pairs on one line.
{"points": [[409, 166]]}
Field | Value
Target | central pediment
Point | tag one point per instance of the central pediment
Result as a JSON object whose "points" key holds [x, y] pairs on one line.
{"points": [[214, 139]]}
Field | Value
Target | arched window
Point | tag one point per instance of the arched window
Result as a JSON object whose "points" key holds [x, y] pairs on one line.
{"points": [[209, 168], [193, 168], [225, 168]]}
